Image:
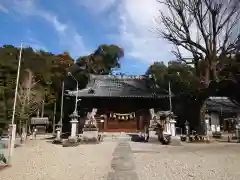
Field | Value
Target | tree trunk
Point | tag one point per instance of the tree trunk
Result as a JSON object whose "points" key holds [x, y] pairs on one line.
{"points": [[213, 71], [5, 106], [207, 77]]}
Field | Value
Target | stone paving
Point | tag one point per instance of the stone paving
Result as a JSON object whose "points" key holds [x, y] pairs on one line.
{"points": [[123, 163], [41, 160]]}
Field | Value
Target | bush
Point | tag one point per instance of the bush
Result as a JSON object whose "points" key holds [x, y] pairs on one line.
{"points": [[1, 132], [183, 138]]}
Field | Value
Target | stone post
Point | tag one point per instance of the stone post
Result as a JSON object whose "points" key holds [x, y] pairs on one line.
{"points": [[173, 128], [168, 125], [207, 125], [187, 128], [74, 122], [187, 131], [238, 132], [58, 137]]}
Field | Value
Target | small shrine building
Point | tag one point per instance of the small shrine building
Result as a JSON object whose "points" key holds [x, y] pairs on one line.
{"points": [[121, 103]]}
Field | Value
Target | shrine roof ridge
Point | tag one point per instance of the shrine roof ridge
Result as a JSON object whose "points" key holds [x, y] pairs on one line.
{"points": [[119, 77]]}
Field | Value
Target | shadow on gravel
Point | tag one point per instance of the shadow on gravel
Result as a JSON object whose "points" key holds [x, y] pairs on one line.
{"points": [[63, 136], [226, 141], [52, 142], [4, 166], [49, 138], [174, 142], [5, 145]]}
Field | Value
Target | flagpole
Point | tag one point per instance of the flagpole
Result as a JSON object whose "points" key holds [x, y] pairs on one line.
{"points": [[13, 126], [170, 95], [61, 116]]}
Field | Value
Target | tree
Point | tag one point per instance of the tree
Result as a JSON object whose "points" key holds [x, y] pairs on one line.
{"points": [[180, 75], [230, 68], [207, 29], [183, 82], [102, 60], [29, 98], [47, 69]]}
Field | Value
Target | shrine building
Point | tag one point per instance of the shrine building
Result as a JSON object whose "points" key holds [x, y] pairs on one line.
{"points": [[122, 102]]}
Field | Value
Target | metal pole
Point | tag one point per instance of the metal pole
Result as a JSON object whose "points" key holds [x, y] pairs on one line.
{"points": [[42, 114], [76, 100], [12, 141], [54, 117], [43, 103], [170, 95], [61, 115]]}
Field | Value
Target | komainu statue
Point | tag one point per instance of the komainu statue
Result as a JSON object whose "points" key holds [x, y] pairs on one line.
{"points": [[91, 121]]}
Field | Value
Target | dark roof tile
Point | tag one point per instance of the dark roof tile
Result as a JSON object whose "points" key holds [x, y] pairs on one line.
{"points": [[118, 86]]}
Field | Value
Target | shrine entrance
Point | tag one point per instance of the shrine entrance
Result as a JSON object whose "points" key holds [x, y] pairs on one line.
{"points": [[117, 122]]}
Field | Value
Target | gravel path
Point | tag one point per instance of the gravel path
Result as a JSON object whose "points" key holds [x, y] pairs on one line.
{"points": [[188, 162], [41, 160]]}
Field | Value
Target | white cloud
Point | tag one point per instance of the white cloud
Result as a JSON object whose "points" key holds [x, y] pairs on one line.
{"points": [[69, 38], [3, 9], [136, 31], [135, 20], [96, 6]]}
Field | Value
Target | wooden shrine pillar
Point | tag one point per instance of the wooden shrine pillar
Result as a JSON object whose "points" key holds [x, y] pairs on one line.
{"points": [[140, 122]]}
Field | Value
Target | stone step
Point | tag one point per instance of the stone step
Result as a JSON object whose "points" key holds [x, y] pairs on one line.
{"points": [[116, 136], [116, 139]]}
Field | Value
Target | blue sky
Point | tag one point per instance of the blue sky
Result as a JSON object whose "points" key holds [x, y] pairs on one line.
{"points": [[79, 26]]}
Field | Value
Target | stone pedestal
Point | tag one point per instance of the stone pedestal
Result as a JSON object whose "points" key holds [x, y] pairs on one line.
{"points": [[73, 128], [72, 139], [173, 128], [90, 135]]}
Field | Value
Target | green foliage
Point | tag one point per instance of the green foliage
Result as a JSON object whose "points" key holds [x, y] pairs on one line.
{"points": [[180, 75], [102, 60], [48, 71], [46, 68]]}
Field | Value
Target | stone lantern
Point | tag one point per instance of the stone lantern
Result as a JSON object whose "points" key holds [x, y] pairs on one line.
{"points": [[187, 128], [74, 116], [207, 124]]}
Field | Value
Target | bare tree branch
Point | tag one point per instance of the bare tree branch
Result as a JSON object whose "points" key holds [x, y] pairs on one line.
{"points": [[216, 26]]}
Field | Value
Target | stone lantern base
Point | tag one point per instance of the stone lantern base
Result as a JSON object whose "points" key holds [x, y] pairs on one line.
{"points": [[73, 139]]}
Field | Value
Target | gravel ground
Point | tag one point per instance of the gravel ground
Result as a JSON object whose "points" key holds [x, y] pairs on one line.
{"points": [[40, 160], [189, 162]]}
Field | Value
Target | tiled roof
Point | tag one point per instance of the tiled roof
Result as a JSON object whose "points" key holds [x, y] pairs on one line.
{"points": [[118, 86], [222, 104]]}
